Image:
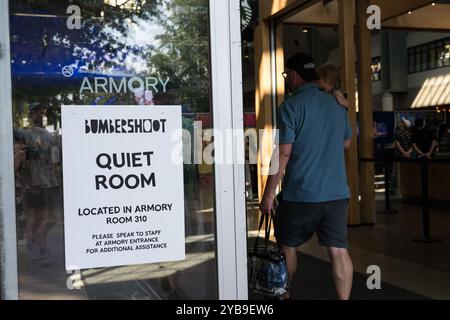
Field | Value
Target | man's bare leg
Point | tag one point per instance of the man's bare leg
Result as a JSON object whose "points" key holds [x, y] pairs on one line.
{"points": [[342, 269], [291, 262]]}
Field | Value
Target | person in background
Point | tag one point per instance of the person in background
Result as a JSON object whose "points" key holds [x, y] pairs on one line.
{"points": [[403, 139], [444, 144], [424, 140], [20, 157], [40, 179], [328, 81]]}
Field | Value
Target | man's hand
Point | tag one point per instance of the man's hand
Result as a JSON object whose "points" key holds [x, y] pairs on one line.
{"points": [[343, 101], [407, 154], [266, 205]]}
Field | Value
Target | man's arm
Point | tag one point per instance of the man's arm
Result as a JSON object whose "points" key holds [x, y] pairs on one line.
{"points": [[416, 136], [434, 145], [284, 151], [348, 132], [416, 148], [399, 146], [403, 151]]}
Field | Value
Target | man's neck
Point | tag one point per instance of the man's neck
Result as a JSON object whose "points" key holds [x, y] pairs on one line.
{"points": [[300, 86]]}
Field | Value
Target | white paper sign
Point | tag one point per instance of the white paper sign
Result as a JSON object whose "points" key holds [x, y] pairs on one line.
{"points": [[123, 185]]}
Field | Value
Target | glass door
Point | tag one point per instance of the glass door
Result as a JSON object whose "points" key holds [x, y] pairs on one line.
{"points": [[108, 53]]}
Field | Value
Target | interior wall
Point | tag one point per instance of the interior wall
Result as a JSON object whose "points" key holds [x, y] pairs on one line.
{"points": [[318, 41]]}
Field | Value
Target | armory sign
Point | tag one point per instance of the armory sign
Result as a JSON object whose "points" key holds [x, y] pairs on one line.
{"points": [[123, 185], [123, 85]]}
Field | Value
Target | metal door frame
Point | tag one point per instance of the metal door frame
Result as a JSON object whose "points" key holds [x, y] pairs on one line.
{"points": [[226, 61], [8, 241]]}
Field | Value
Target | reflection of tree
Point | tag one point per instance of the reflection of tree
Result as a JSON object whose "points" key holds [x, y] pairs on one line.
{"points": [[177, 46], [183, 53], [169, 38], [119, 42]]}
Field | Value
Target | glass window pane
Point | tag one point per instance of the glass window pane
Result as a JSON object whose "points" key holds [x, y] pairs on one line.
{"points": [[424, 65], [432, 58], [417, 59], [447, 53], [56, 61], [440, 54], [410, 60]]}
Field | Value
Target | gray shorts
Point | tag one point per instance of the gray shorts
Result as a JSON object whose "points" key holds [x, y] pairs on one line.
{"points": [[296, 223]]}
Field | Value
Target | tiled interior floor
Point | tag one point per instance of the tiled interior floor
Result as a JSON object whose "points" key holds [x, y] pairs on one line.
{"points": [[423, 268], [392, 235]]}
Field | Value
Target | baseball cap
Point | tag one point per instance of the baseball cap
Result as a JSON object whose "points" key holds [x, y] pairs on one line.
{"points": [[304, 65]]}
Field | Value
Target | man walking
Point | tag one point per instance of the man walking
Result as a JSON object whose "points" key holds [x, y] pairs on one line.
{"points": [[313, 132]]}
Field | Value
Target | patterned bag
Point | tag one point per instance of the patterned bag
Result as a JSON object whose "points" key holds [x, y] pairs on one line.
{"points": [[267, 265]]}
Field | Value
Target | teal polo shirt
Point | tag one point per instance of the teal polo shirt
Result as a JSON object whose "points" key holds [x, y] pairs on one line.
{"points": [[316, 126]]}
